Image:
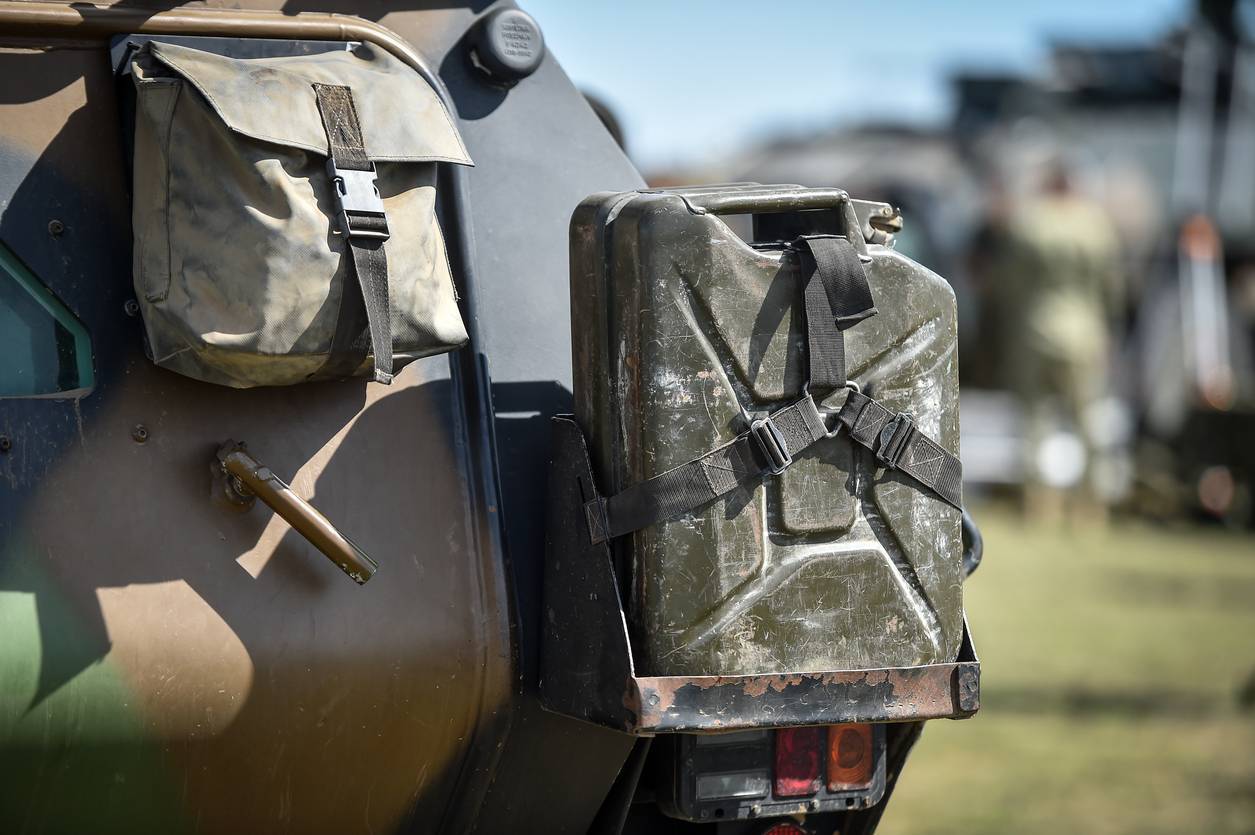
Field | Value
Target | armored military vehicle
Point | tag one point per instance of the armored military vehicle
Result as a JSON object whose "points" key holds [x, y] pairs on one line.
{"points": [[359, 472]]}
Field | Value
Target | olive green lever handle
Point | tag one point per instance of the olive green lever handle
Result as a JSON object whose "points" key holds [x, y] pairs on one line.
{"points": [[246, 479]]}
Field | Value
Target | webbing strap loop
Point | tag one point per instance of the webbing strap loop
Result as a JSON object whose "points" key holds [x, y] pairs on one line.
{"points": [[364, 322], [893, 440], [899, 445], [768, 448], [837, 296]]}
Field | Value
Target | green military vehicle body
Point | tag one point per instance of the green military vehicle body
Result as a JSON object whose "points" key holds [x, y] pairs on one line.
{"points": [[176, 657]]}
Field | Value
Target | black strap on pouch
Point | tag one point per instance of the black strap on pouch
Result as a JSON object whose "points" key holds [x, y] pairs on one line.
{"points": [[837, 296], [364, 322]]}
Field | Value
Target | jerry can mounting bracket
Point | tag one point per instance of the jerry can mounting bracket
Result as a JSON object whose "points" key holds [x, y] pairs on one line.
{"points": [[587, 670]]}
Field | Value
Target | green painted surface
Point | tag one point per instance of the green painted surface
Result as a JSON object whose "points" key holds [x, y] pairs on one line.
{"points": [[74, 753]]}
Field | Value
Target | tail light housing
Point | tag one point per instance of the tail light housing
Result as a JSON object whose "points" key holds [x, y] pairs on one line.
{"points": [[768, 773]]}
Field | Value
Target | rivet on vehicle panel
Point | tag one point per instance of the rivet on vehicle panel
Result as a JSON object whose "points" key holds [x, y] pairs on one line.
{"points": [[55, 227], [139, 433], [6, 443], [131, 307]]}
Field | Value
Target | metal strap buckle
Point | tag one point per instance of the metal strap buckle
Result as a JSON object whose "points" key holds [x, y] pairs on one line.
{"points": [[359, 208], [894, 438], [771, 442]]}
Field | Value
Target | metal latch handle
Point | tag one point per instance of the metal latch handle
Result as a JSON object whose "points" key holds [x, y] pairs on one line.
{"points": [[770, 200], [248, 479]]}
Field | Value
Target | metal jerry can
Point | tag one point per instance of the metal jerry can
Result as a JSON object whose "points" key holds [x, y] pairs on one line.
{"points": [[828, 540]]}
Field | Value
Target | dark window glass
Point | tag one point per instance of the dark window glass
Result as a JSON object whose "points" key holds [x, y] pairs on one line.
{"points": [[44, 350]]}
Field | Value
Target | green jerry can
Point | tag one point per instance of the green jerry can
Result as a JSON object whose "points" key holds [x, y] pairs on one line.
{"points": [[840, 550]]}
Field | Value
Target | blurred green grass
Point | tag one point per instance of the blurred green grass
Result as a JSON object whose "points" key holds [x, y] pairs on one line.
{"points": [[1114, 663]]}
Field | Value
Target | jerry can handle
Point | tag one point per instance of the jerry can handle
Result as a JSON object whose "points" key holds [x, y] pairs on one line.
{"points": [[247, 479], [973, 545], [773, 201]]}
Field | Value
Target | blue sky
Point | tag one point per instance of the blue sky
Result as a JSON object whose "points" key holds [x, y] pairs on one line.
{"points": [[697, 77]]}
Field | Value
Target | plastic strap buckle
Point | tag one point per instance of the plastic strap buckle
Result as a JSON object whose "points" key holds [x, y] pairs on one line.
{"points": [[359, 207], [771, 441], [895, 437]]}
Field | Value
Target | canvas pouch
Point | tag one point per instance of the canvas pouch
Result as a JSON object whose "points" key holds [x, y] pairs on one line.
{"points": [[284, 215]]}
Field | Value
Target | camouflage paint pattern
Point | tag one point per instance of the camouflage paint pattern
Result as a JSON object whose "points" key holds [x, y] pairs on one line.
{"points": [[167, 667]]}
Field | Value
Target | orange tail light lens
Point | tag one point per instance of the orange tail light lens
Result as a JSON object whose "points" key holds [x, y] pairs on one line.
{"points": [[849, 757]]}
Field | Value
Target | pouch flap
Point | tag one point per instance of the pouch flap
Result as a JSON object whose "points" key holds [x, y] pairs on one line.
{"points": [[273, 100]]}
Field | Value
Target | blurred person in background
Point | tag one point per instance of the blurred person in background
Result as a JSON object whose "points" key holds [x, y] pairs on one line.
{"points": [[1062, 287]]}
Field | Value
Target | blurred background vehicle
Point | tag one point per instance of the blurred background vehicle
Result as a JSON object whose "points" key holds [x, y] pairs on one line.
{"points": [[1084, 176]]}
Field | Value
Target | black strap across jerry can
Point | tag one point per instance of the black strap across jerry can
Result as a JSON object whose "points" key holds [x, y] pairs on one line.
{"points": [[758, 501]]}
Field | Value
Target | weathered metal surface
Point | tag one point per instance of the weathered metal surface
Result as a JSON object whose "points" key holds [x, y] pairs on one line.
{"points": [[260, 19], [678, 323], [588, 670], [168, 668], [705, 703]]}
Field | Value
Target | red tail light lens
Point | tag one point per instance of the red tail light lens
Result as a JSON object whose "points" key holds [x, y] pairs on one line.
{"points": [[798, 755], [786, 829], [849, 757]]}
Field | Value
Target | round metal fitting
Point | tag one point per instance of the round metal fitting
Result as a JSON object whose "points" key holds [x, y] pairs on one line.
{"points": [[140, 433], [55, 227], [507, 45]]}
